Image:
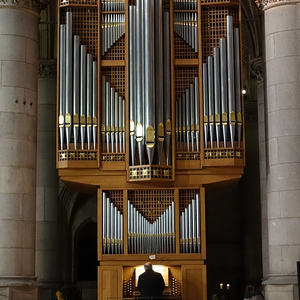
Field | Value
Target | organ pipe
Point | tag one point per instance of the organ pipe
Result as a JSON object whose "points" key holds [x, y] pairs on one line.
{"points": [[132, 82], [197, 113], [210, 77], [149, 83], [89, 96], [95, 103], [82, 95], [76, 66], [151, 237], [103, 91], [238, 84], [224, 94], [158, 89], [230, 72], [222, 90], [68, 104], [62, 84], [217, 94], [167, 87], [205, 102], [190, 233]]}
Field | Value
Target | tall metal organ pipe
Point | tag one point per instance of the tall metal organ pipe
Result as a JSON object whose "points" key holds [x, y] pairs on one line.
{"points": [[68, 104], [76, 66], [132, 81], [238, 84], [62, 84], [78, 94], [222, 91], [149, 83], [230, 71]]}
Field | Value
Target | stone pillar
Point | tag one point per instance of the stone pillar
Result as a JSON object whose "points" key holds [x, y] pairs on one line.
{"points": [[282, 51], [48, 264], [18, 90]]}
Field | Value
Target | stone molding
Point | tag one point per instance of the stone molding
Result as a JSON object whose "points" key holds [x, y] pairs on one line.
{"points": [[47, 69], [280, 280], [32, 5], [266, 4]]}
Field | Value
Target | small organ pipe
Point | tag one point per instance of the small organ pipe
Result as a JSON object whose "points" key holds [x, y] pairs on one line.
{"points": [[205, 103], [82, 95], [112, 118], [95, 103], [123, 125], [210, 77], [89, 90], [103, 113], [117, 121], [180, 124], [188, 118], [224, 94], [76, 66], [197, 123], [108, 225], [121, 128], [104, 221], [198, 226], [192, 113], [217, 94], [183, 107], [107, 113]]}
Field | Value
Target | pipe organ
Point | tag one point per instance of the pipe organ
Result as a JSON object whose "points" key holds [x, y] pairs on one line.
{"points": [[162, 81]]}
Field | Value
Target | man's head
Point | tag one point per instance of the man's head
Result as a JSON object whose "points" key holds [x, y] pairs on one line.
{"points": [[148, 266]]}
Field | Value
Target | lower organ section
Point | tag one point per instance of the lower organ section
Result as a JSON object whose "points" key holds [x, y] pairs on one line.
{"points": [[162, 225], [120, 282]]}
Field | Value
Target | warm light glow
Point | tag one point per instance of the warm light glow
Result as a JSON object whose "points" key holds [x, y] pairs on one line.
{"points": [[244, 92], [163, 270]]}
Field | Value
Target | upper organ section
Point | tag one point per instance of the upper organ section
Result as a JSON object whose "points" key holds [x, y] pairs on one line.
{"points": [[149, 88]]}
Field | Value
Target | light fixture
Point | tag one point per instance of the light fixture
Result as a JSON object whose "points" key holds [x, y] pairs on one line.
{"points": [[163, 270], [244, 91]]}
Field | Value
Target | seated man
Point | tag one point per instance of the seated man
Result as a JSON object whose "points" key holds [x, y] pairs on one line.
{"points": [[150, 283]]}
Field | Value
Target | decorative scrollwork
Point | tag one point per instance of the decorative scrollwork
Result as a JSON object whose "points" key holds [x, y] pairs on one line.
{"points": [[257, 69], [34, 5], [47, 69], [264, 4]]}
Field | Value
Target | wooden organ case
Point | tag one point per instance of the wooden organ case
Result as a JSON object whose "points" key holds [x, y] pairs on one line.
{"points": [[149, 111]]}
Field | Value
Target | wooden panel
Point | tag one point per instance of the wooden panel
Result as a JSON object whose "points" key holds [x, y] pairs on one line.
{"points": [[109, 282], [194, 282]]}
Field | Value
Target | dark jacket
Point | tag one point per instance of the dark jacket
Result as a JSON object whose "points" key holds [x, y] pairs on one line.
{"points": [[151, 284]]}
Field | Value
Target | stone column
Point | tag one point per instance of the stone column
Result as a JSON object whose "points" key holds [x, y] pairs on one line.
{"points": [[48, 263], [18, 90], [282, 51]]}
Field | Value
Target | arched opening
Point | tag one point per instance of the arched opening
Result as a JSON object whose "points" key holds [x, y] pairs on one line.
{"points": [[86, 252]]}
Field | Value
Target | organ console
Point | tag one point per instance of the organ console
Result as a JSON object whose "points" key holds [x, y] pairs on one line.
{"points": [[149, 111]]}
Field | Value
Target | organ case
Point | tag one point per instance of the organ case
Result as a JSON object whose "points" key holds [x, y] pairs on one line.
{"points": [[148, 120]]}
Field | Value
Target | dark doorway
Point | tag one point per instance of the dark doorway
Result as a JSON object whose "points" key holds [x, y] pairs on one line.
{"points": [[86, 252]]}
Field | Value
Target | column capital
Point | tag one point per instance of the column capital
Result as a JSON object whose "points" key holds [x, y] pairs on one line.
{"points": [[32, 5], [266, 4]]}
